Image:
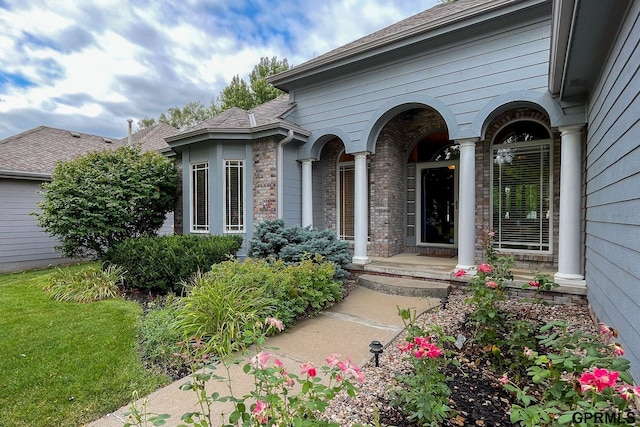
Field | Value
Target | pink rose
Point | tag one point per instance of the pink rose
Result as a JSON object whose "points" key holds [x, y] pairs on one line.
{"points": [[272, 321], [309, 369], [534, 284], [492, 285], [485, 268], [260, 360], [503, 379], [459, 273]]}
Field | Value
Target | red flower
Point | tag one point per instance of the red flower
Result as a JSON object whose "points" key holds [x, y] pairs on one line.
{"points": [[492, 285], [534, 284], [598, 379], [459, 273], [485, 268], [309, 369]]}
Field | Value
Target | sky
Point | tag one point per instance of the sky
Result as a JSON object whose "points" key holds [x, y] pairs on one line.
{"points": [[88, 66]]}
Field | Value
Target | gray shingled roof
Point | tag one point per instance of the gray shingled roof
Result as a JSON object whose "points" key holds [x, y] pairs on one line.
{"points": [[271, 112], [39, 149], [438, 16]]}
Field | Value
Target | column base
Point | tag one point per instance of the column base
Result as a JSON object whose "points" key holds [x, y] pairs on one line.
{"points": [[466, 268], [569, 279], [361, 260]]}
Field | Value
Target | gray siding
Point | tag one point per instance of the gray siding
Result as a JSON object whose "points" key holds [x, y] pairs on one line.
{"points": [[462, 75], [23, 244], [292, 187], [613, 192]]}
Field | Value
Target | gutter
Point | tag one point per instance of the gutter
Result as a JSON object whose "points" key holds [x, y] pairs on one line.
{"points": [[561, 30], [280, 174], [35, 176]]}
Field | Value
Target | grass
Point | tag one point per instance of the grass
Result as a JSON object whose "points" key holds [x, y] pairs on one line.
{"points": [[65, 363]]}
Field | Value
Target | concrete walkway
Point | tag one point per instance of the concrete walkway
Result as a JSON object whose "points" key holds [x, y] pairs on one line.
{"points": [[345, 329]]}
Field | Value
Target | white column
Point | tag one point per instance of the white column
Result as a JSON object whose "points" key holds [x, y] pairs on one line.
{"points": [[361, 210], [467, 204], [307, 193], [569, 265]]}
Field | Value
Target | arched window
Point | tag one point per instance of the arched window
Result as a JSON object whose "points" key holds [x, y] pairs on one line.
{"points": [[521, 187]]}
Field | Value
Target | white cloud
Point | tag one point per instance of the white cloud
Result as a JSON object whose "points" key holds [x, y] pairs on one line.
{"points": [[63, 62]]}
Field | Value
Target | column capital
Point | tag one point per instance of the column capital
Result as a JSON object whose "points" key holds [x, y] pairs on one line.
{"points": [[307, 161], [361, 154], [467, 142], [571, 129]]}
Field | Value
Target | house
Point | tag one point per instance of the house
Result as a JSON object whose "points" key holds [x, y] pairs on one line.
{"points": [[517, 116], [26, 161]]}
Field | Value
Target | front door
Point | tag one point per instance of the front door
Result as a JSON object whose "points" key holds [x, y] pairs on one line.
{"points": [[437, 196]]}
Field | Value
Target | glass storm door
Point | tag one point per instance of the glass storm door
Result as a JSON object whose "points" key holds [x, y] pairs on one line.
{"points": [[438, 214]]}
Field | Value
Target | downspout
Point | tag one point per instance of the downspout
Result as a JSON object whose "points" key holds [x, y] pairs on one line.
{"points": [[280, 174]]}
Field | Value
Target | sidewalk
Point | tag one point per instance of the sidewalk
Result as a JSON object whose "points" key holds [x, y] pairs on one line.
{"points": [[345, 329]]}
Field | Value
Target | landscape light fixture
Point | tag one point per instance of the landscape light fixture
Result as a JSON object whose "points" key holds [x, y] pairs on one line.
{"points": [[444, 301], [376, 348]]}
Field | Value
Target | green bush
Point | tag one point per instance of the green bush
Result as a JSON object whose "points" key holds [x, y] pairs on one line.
{"points": [[159, 336], [105, 197], [161, 263], [219, 308], [291, 244], [91, 283]]}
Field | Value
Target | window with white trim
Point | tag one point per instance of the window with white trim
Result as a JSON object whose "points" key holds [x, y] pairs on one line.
{"points": [[521, 187], [346, 181], [234, 193], [200, 197]]}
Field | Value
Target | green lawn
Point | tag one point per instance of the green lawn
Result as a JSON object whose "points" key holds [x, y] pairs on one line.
{"points": [[64, 364]]}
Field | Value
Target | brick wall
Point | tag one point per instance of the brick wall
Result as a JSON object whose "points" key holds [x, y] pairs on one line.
{"points": [[264, 180]]}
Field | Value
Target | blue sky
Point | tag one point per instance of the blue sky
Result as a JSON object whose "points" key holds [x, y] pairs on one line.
{"points": [[88, 66]]}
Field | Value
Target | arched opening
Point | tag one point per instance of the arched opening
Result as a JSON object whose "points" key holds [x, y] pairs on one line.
{"points": [[521, 187]]}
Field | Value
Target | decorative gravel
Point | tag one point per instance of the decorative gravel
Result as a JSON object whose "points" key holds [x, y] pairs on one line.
{"points": [[484, 403]]}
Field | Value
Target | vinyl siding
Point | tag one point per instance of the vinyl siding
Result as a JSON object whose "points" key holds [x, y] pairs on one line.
{"points": [[613, 192], [462, 74], [292, 187], [23, 244]]}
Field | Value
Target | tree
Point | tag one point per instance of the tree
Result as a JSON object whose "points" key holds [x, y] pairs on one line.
{"points": [[236, 94], [104, 197]]}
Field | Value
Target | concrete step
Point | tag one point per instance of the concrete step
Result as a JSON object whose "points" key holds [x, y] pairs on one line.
{"points": [[403, 286]]}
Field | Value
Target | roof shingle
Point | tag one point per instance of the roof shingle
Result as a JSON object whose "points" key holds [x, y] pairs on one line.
{"points": [[39, 149]]}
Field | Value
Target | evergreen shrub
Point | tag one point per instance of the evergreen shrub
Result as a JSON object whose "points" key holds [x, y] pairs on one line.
{"points": [[161, 263], [272, 240]]}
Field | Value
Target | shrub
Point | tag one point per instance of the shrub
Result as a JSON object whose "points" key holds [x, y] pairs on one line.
{"points": [[105, 197], [218, 308], [291, 244], [91, 283], [159, 336], [161, 263], [220, 303]]}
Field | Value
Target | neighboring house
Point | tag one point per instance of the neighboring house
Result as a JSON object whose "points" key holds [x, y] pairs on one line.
{"points": [[26, 161], [518, 116]]}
